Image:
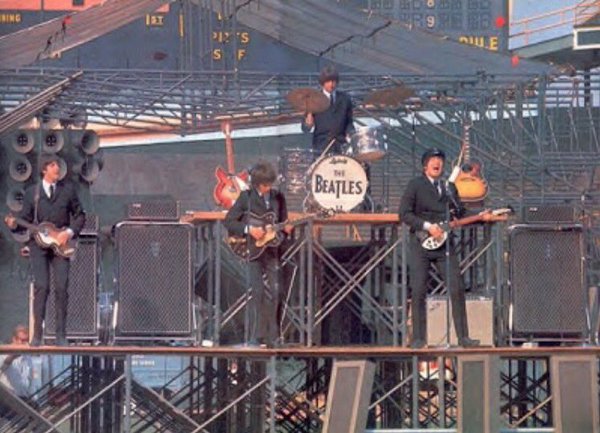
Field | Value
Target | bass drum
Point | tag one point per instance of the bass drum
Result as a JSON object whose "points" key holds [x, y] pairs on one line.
{"points": [[338, 183]]}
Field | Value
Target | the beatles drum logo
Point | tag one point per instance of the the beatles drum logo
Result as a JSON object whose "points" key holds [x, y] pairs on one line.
{"points": [[339, 183]]}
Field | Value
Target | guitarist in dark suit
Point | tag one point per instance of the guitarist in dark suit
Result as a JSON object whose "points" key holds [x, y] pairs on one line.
{"points": [[56, 202], [259, 200], [335, 122], [422, 207]]}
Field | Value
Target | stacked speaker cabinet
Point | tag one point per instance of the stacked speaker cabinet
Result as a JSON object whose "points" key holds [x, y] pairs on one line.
{"points": [[155, 281], [82, 306], [550, 215], [547, 295]]}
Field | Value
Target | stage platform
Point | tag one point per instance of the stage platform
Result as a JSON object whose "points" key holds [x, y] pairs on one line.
{"points": [[304, 389], [346, 352]]}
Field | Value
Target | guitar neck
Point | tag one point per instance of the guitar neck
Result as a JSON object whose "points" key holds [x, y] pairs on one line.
{"points": [[497, 215], [465, 221], [229, 147], [466, 142], [280, 226]]}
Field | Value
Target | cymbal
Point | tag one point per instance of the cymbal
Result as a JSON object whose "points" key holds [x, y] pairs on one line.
{"points": [[390, 97], [308, 100]]}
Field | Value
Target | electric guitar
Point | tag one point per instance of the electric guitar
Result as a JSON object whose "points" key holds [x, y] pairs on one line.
{"points": [[248, 248], [229, 186], [470, 184], [430, 243], [45, 235]]}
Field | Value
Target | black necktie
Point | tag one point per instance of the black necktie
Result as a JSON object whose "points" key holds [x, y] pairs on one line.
{"points": [[331, 99], [51, 190], [438, 187]]}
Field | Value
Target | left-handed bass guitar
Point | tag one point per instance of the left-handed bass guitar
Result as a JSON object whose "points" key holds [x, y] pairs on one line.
{"points": [[250, 249], [430, 243], [45, 235]]}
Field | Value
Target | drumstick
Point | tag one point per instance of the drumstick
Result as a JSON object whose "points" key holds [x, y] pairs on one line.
{"points": [[321, 157]]}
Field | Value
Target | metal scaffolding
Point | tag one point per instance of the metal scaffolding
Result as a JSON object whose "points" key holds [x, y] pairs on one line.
{"points": [[274, 391]]}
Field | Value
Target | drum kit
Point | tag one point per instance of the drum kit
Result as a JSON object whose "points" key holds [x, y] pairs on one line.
{"points": [[337, 182]]}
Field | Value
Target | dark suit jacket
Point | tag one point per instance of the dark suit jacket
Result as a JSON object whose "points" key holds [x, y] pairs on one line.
{"points": [[421, 202], [250, 201], [63, 209], [335, 122]]}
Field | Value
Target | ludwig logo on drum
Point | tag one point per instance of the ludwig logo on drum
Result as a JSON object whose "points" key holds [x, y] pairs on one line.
{"points": [[339, 183]]}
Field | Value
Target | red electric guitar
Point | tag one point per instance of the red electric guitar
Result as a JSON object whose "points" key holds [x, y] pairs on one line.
{"points": [[229, 185]]}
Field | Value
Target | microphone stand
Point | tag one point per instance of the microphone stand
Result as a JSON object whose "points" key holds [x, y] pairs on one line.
{"points": [[589, 339], [450, 199], [447, 266]]}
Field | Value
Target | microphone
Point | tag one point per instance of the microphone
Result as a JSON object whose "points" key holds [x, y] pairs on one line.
{"points": [[450, 193]]}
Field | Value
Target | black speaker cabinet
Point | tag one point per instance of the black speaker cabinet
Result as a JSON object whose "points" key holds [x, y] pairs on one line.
{"points": [[575, 393], [547, 281], [550, 214], [349, 397], [154, 210], [155, 280], [82, 306]]}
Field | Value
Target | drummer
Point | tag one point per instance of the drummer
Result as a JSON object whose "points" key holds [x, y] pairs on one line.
{"points": [[335, 122]]}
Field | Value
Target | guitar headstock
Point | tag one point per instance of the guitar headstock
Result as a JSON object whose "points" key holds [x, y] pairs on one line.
{"points": [[187, 218], [500, 214]]}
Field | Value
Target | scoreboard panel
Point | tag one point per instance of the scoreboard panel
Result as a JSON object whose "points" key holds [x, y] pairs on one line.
{"points": [[477, 22]]}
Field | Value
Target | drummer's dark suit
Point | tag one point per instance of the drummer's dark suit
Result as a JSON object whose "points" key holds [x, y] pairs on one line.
{"points": [[421, 202], [336, 122]]}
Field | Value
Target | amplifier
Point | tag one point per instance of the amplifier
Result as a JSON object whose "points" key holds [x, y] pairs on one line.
{"points": [[155, 210], [91, 226], [550, 214], [480, 317]]}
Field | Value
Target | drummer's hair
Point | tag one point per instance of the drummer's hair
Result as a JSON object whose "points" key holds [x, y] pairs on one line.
{"points": [[262, 173], [328, 73]]}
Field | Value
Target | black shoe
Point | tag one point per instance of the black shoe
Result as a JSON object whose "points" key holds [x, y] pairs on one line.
{"points": [[61, 341], [418, 344], [468, 342], [36, 342]]}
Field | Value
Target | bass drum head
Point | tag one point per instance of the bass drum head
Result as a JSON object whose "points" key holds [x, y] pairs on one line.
{"points": [[338, 183]]}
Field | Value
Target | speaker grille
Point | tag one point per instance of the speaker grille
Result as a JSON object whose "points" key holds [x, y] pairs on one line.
{"points": [[155, 279], [547, 280], [91, 226], [156, 210], [550, 214], [83, 290]]}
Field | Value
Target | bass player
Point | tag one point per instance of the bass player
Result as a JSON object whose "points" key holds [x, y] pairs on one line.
{"points": [[56, 202]]}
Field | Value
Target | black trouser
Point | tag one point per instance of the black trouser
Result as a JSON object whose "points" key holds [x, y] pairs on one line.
{"points": [[420, 261], [264, 309], [41, 261]]}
